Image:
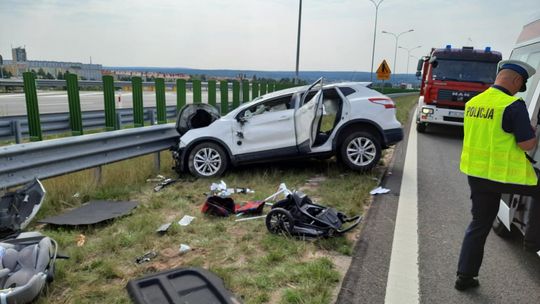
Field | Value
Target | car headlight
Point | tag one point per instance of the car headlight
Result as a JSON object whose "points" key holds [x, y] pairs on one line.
{"points": [[427, 111]]}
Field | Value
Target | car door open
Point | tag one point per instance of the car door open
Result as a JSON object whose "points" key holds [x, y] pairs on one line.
{"points": [[307, 116]]}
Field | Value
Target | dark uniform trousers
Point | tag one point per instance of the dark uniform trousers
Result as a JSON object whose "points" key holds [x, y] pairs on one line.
{"points": [[485, 196]]}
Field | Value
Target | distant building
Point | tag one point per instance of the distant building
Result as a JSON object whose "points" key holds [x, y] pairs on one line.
{"points": [[18, 54], [20, 64]]}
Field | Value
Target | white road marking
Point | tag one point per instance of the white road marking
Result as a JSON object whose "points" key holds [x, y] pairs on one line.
{"points": [[403, 283]]}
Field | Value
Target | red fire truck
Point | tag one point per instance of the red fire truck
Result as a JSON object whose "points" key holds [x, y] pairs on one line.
{"points": [[450, 77]]}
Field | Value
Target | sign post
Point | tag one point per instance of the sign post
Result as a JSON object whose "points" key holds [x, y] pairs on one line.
{"points": [[383, 72]]}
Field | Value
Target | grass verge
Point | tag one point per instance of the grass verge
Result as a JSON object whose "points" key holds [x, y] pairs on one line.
{"points": [[256, 266]]}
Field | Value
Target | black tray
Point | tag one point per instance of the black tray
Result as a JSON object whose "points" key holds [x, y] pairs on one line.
{"points": [[182, 285]]}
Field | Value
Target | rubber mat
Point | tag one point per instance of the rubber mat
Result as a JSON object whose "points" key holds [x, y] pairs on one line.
{"points": [[92, 212]]}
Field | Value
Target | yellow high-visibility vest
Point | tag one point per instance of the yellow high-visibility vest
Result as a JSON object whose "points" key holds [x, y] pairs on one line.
{"points": [[488, 151]]}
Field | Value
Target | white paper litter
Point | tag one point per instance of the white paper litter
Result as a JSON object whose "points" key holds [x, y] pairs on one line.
{"points": [[220, 189], [164, 227], [186, 220], [379, 190]]}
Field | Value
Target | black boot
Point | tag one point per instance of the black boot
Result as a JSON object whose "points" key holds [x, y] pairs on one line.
{"points": [[465, 282]]}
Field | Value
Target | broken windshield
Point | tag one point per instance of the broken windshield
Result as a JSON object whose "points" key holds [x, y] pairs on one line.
{"points": [[466, 71]]}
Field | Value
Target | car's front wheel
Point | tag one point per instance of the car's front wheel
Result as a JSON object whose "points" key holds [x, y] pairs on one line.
{"points": [[207, 160], [360, 151]]}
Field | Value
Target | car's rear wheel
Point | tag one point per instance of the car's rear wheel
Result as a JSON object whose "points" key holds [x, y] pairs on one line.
{"points": [[360, 151], [207, 160]]}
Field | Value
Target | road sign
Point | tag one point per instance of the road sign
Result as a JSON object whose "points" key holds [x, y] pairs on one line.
{"points": [[383, 72]]}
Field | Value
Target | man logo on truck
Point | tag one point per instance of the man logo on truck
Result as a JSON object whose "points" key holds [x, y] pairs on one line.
{"points": [[480, 112]]}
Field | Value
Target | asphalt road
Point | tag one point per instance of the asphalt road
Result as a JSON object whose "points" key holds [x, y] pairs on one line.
{"points": [[57, 101], [508, 274]]}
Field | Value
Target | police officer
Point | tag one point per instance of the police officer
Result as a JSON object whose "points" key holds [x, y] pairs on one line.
{"points": [[497, 132]]}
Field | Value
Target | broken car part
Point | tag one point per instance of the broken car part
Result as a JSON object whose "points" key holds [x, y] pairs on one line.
{"points": [[91, 213], [18, 208], [182, 285], [164, 184], [146, 257]]}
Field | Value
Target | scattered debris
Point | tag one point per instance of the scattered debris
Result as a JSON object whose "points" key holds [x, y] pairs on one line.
{"points": [[166, 182], [220, 189], [186, 220], [19, 207], [184, 248], [379, 190], [220, 206], [146, 257], [158, 178], [181, 285], [76, 195], [91, 213], [250, 218], [81, 239], [163, 228]]}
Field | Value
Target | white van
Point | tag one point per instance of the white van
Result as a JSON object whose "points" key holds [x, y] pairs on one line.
{"points": [[514, 209]]}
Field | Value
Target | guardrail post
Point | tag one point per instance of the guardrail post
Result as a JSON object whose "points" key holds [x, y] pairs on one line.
{"points": [[16, 130], [152, 117], [197, 94], [97, 175], [160, 101], [245, 91], [157, 162], [108, 98], [180, 94], [235, 94], [271, 87], [138, 108], [118, 121], [212, 92], [32, 108], [75, 116], [254, 90], [224, 92], [263, 87]]}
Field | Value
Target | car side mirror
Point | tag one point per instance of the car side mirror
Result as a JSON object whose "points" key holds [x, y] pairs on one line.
{"points": [[241, 118]]}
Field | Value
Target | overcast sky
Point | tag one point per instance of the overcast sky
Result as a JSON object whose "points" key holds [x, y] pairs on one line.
{"points": [[336, 35]]}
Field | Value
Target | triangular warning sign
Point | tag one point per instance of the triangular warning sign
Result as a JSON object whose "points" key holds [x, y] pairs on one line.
{"points": [[383, 72]]}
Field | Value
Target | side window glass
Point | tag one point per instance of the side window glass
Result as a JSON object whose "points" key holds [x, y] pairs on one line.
{"points": [[274, 105]]}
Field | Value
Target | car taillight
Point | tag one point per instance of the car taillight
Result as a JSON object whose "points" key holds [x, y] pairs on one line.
{"points": [[383, 101]]}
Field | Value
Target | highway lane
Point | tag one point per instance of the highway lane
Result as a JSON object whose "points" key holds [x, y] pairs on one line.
{"points": [[508, 274], [57, 101]]}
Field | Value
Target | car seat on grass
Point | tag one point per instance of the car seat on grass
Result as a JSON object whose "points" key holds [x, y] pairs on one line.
{"points": [[26, 265]]}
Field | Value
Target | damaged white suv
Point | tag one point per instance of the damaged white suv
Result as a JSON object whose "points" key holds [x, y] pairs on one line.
{"points": [[347, 120]]}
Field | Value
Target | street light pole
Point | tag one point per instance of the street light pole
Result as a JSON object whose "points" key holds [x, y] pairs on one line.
{"points": [[395, 49], [374, 34], [298, 42], [409, 55]]}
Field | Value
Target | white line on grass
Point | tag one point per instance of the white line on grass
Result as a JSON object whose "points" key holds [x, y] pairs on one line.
{"points": [[403, 285]]}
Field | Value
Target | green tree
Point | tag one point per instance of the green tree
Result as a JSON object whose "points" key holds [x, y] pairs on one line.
{"points": [[49, 76], [41, 73]]}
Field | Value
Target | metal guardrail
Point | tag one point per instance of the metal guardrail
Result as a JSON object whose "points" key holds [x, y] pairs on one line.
{"points": [[16, 127], [91, 83], [23, 162]]}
